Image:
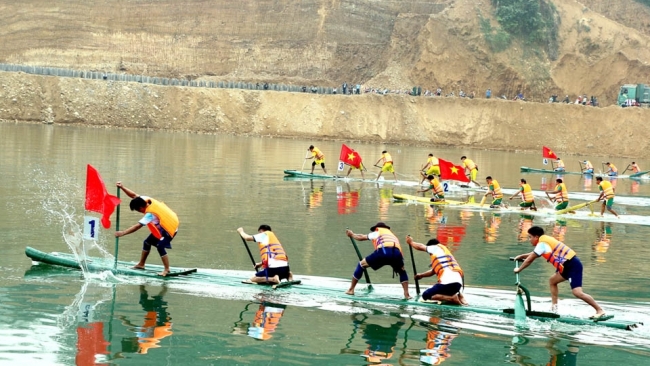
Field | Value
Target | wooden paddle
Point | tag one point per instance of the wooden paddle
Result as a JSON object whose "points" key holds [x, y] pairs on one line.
{"points": [[249, 251], [483, 200], [415, 271], [356, 249], [304, 161]]}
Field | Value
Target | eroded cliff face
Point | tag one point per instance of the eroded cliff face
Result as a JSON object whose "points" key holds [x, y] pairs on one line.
{"points": [[399, 119], [379, 43]]}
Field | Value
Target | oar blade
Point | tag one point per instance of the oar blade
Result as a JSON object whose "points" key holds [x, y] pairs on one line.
{"points": [[520, 311]]}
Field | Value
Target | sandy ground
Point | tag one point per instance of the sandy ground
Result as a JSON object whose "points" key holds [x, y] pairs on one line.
{"points": [[398, 119]]}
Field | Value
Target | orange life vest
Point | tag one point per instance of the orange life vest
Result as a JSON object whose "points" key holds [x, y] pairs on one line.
{"points": [[496, 189], [559, 254], [606, 187], [267, 320], [437, 187], [560, 164], [317, 154], [469, 164], [444, 262], [386, 239], [528, 192], [613, 168], [167, 217], [563, 195], [272, 250]]}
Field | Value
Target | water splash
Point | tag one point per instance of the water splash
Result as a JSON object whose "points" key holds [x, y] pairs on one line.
{"points": [[59, 199]]}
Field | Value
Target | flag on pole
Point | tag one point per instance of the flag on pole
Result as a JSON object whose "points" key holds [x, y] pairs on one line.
{"points": [[548, 153], [97, 198], [350, 157], [449, 171]]}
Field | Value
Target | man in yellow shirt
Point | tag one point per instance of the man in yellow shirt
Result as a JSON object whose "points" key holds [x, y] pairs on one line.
{"points": [[432, 166], [527, 199], [470, 167], [607, 195], [387, 164], [319, 158]]}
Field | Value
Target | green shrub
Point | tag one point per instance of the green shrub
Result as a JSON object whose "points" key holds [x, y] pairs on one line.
{"points": [[496, 39]]}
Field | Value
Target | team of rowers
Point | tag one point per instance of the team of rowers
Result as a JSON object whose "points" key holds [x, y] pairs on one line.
{"points": [[588, 168], [274, 265]]}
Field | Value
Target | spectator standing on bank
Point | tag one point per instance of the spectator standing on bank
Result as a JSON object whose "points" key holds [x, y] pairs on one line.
{"points": [[488, 94], [344, 87]]}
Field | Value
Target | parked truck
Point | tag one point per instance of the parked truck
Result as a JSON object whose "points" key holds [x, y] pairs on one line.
{"points": [[634, 95]]}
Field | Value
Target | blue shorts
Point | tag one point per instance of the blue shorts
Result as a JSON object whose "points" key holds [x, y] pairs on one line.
{"points": [[386, 257], [589, 171], [572, 272], [613, 174], [281, 272], [558, 169], [449, 289], [161, 244]]}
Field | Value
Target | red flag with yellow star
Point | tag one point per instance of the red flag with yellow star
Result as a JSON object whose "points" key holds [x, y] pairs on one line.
{"points": [[548, 153], [449, 171], [350, 157]]}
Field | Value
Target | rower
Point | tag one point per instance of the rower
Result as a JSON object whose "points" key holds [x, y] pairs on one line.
{"points": [[589, 168], [318, 156], [635, 168], [527, 199], [568, 267], [612, 171], [432, 166], [445, 267], [607, 195], [561, 197], [437, 191], [560, 165], [387, 164], [495, 190], [472, 168], [275, 263]]}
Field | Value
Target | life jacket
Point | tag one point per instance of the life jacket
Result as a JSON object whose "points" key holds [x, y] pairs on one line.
{"points": [[387, 158], [433, 161], [167, 217], [606, 187], [588, 165], [563, 195], [439, 342], [613, 168], [469, 164], [317, 154], [560, 164], [152, 333], [528, 192], [496, 189], [559, 254], [444, 262], [386, 239], [271, 250], [437, 187]]}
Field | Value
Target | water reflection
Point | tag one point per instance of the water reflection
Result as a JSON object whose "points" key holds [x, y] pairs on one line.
{"points": [[557, 355], [265, 321], [347, 200], [491, 229], [385, 196], [155, 326], [603, 241], [315, 195], [438, 343], [380, 341], [559, 230], [525, 223]]}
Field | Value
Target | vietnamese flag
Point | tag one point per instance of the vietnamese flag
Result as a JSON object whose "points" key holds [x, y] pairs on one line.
{"points": [[347, 202], [449, 171], [350, 157], [97, 198], [548, 153]]}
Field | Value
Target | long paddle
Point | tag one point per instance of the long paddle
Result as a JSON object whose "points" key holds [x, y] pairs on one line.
{"points": [[415, 271], [117, 228], [365, 272], [248, 250], [304, 161], [483, 200], [520, 308]]}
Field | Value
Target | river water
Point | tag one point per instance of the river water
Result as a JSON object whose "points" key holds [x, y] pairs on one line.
{"points": [[52, 316]]}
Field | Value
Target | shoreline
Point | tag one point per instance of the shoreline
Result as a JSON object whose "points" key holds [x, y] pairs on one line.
{"points": [[497, 125]]}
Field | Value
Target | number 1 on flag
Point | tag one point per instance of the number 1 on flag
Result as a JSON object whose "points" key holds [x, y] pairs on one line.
{"points": [[91, 228]]}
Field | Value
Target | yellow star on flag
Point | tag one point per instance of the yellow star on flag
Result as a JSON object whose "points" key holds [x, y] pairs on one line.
{"points": [[351, 157], [454, 170]]}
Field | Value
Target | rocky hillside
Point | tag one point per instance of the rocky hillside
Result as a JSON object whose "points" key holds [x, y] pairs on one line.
{"points": [[382, 43]]}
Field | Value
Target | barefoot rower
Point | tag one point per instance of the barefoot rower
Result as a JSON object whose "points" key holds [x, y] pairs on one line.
{"points": [[275, 263]]}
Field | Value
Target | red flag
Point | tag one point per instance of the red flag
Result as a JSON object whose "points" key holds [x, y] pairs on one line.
{"points": [[548, 153], [449, 171], [350, 157], [97, 198]]}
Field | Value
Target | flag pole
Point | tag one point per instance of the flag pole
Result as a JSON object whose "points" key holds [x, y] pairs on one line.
{"points": [[117, 228]]}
